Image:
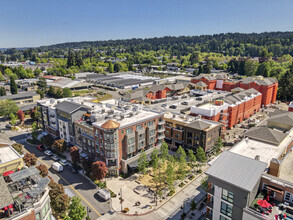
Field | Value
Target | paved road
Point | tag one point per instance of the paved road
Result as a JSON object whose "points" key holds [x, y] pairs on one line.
{"points": [[76, 183]]}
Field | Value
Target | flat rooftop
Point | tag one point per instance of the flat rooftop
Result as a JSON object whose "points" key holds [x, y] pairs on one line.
{"points": [[252, 148], [130, 119], [286, 171], [8, 154]]}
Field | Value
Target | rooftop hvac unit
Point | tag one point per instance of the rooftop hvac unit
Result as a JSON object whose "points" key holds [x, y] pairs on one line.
{"points": [[130, 114]]}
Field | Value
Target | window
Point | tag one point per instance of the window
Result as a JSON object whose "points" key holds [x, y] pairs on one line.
{"points": [[227, 196], [138, 127], [122, 131], [223, 218], [150, 123], [226, 209], [287, 197], [129, 130], [45, 209], [152, 132], [131, 141]]}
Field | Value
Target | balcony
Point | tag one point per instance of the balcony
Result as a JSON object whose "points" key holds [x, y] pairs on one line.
{"points": [[161, 122], [161, 129]]}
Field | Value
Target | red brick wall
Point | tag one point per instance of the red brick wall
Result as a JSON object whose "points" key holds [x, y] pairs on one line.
{"points": [[211, 84], [31, 216], [290, 109]]}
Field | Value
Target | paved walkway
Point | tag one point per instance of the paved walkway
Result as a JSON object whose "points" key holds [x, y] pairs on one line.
{"points": [[172, 208]]}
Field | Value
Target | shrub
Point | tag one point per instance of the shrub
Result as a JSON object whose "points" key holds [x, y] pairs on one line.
{"points": [[191, 177], [101, 185], [181, 184], [171, 193]]}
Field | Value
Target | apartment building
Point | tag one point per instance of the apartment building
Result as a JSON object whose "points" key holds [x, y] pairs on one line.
{"points": [[123, 131], [232, 109], [56, 116], [30, 201], [190, 132], [268, 87], [233, 182]]}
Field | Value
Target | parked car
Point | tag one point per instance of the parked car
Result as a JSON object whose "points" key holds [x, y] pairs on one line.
{"points": [[199, 98], [164, 105], [63, 162], [173, 106], [55, 157], [48, 153], [41, 148], [74, 169], [104, 194], [57, 167], [8, 126], [184, 103]]}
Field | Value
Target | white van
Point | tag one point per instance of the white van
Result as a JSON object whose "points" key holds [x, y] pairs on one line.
{"points": [[57, 167], [104, 194]]}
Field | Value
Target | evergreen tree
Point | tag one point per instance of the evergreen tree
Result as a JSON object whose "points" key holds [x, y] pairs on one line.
{"points": [[42, 84], [2, 91], [13, 86], [285, 86], [70, 59], [200, 155], [78, 59], [191, 156], [111, 67]]}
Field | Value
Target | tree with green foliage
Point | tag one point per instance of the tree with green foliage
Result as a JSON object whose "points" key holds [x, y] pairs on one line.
{"points": [[2, 91], [170, 175], [142, 162], [111, 68], [182, 169], [285, 86], [155, 158], [1, 76], [191, 157], [218, 145], [200, 156], [7, 107], [180, 154], [42, 84], [66, 93], [75, 210], [37, 72], [12, 118], [13, 86], [78, 59], [117, 67], [34, 131], [250, 67], [43, 170], [264, 69], [164, 151], [70, 59], [48, 140], [8, 72]]}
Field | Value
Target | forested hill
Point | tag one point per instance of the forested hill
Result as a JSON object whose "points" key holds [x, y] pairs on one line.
{"points": [[233, 44]]}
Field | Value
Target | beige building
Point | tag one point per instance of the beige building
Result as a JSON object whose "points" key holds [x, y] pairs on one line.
{"points": [[9, 159], [23, 98]]}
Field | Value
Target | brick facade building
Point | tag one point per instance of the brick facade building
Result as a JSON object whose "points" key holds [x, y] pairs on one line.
{"points": [[268, 87], [232, 109]]}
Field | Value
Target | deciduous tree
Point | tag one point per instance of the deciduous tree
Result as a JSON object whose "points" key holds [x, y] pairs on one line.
{"points": [[142, 162], [30, 159], [74, 154], [99, 170], [60, 145], [164, 151], [18, 147], [59, 200], [76, 210], [20, 116], [43, 170]]}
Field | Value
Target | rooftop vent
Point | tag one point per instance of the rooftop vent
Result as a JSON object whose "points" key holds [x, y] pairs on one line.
{"points": [[257, 157]]}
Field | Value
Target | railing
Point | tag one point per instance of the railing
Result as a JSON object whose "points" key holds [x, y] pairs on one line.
{"points": [[161, 136], [162, 129]]}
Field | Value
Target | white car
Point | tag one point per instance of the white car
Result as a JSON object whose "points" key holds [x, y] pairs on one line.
{"points": [[48, 152], [63, 162], [55, 157]]}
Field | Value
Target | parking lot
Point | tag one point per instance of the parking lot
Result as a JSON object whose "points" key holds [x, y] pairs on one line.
{"points": [[179, 104]]}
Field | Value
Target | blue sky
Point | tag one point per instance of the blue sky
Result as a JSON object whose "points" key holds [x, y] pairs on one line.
{"points": [[44, 22]]}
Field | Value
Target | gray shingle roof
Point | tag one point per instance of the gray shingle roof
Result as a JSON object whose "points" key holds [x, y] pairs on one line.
{"points": [[285, 118], [266, 134], [201, 84], [238, 170], [6, 198], [68, 106], [199, 125]]}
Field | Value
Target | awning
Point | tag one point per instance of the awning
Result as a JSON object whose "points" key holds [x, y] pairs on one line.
{"points": [[275, 190], [87, 114], [8, 172]]}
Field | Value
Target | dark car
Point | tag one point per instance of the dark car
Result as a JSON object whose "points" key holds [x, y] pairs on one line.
{"points": [[173, 106], [41, 148], [184, 103], [199, 99], [164, 105], [74, 169]]}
